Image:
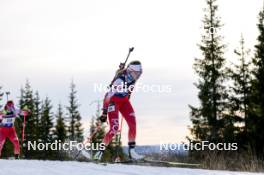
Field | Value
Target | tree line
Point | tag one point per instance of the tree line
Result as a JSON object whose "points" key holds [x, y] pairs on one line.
{"points": [[231, 95], [44, 126]]}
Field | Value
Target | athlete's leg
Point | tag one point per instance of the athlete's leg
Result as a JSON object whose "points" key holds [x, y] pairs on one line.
{"points": [[113, 122], [128, 113], [2, 138], [14, 139]]}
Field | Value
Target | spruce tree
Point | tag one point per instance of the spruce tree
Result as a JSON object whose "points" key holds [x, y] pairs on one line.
{"points": [[60, 133], [207, 119], [95, 122], [257, 118], [96, 136], [37, 113], [46, 126], [75, 127], [239, 98], [60, 128], [27, 101]]}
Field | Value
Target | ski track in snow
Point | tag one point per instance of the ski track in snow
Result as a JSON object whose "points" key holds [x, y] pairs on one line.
{"points": [[37, 167]]}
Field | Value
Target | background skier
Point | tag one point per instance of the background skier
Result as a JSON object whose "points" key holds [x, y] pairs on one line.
{"points": [[7, 128]]}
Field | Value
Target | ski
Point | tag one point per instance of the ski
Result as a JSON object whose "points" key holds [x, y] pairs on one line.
{"points": [[146, 162], [142, 163], [159, 163], [173, 164]]}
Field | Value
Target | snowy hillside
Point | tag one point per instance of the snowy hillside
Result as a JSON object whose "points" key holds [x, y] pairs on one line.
{"points": [[34, 167]]}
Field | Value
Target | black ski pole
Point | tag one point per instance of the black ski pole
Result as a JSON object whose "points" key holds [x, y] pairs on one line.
{"points": [[129, 51]]}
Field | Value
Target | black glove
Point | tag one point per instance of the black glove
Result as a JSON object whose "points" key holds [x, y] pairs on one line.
{"points": [[121, 66], [103, 118]]}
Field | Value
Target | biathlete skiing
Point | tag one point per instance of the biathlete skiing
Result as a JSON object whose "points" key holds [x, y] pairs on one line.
{"points": [[117, 100], [7, 128]]}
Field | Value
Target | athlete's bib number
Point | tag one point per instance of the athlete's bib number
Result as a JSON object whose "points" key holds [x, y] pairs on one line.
{"points": [[8, 120], [111, 108]]}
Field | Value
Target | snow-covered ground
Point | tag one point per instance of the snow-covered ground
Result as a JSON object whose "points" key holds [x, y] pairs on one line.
{"points": [[35, 167]]}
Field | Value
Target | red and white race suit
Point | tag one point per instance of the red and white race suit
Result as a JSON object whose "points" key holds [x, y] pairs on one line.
{"points": [[115, 101], [7, 130]]}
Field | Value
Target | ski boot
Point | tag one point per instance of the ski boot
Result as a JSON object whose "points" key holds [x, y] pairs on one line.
{"points": [[17, 156], [133, 155]]}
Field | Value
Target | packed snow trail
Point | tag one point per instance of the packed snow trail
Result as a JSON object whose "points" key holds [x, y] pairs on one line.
{"points": [[36, 167]]}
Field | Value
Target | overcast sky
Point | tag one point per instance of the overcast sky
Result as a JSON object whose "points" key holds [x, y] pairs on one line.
{"points": [[52, 42]]}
